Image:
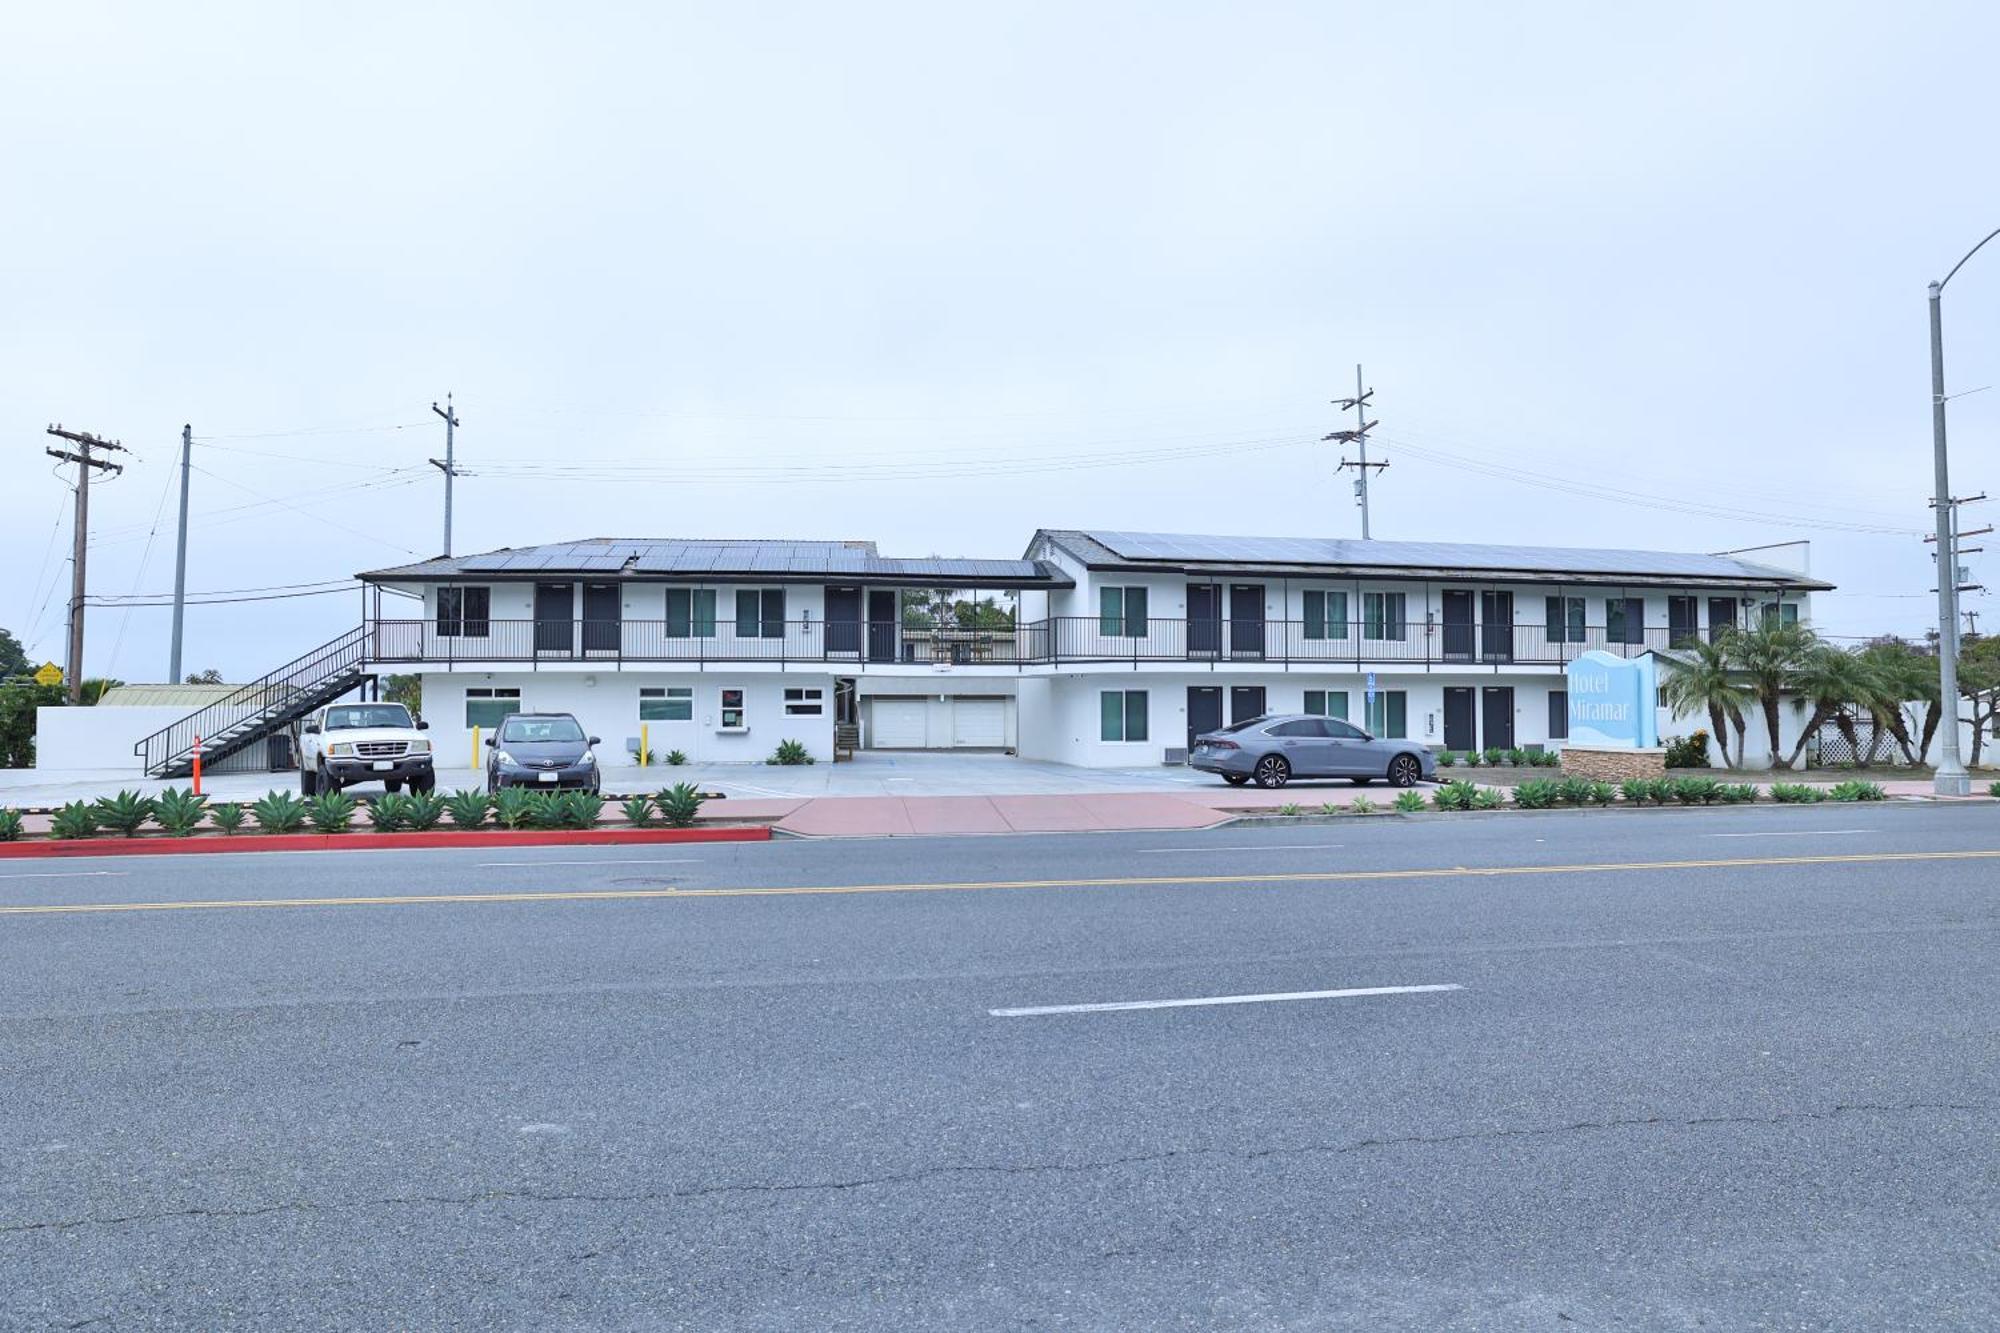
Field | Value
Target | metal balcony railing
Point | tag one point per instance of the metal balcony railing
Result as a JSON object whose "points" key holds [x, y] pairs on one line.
{"points": [[1056, 640]]}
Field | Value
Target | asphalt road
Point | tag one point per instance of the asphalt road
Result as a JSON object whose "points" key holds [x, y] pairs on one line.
{"points": [[1723, 1070]]}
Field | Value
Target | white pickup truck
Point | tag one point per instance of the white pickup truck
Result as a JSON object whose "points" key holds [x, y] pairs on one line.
{"points": [[342, 744]]}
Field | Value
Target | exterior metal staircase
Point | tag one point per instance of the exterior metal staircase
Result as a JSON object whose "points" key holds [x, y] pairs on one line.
{"points": [[259, 709]]}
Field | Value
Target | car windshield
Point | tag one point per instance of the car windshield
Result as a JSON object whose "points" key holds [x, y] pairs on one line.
{"points": [[350, 716], [1239, 726], [523, 729]]}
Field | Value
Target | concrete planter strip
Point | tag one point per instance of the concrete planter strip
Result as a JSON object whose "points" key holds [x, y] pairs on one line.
{"points": [[361, 840]]}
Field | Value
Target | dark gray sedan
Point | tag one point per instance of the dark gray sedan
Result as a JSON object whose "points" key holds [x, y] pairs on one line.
{"points": [[1271, 751], [545, 750]]}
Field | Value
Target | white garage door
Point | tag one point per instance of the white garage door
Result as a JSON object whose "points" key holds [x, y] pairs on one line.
{"points": [[979, 722], [899, 724]]}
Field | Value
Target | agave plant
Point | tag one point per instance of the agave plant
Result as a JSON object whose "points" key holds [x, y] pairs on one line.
{"points": [[679, 804], [675, 758], [226, 816], [513, 807], [468, 809], [279, 812], [179, 811], [78, 819], [638, 811], [545, 809], [580, 809], [389, 812], [125, 813], [10, 825], [331, 811], [1410, 802], [425, 809]]}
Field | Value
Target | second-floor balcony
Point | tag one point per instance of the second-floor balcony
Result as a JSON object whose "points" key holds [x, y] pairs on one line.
{"points": [[1050, 642]]}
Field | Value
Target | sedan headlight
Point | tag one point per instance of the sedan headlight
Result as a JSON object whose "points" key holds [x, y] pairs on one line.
{"points": [[505, 759], [420, 747], [344, 748], [589, 757]]}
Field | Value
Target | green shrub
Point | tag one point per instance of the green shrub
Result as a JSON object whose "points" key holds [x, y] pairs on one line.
{"points": [[679, 804], [638, 811], [1857, 791], [545, 809], [1360, 805], [1549, 759], [1333, 807], [791, 754], [1796, 793], [1573, 791], [1291, 808], [514, 807], [1493, 754], [1519, 758], [389, 812], [1536, 794], [1688, 751], [124, 813], [675, 759], [179, 811], [1638, 791], [227, 816], [468, 809], [78, 819], [10, 825], [1738, 793], [580, 809], [1602, 793], [1994, 789], [426, 808], [1410, 802], [279, 812], [1454, 795], [1447, 759], [1694, 791], [1485, 798], [331, 811]]}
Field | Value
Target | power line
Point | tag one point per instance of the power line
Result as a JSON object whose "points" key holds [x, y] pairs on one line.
{"points": [[307, 513], [221, 601]]}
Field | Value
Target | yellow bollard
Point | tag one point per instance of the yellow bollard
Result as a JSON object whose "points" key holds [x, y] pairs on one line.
{"points": [[477, 763], [645, 750]]}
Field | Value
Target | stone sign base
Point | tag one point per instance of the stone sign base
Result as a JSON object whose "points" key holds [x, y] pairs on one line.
{"points": [[1600, 765]]}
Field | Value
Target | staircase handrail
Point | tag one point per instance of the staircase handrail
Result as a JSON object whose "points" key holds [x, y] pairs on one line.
{"points": [[303, 672]]}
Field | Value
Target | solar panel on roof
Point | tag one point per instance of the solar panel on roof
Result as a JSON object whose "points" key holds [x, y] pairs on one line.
{"points": [[1459, 555]]}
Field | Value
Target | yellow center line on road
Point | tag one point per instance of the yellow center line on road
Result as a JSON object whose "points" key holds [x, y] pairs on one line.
{"points": [[1130, 881]]}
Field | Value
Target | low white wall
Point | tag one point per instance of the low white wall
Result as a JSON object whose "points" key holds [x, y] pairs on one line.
{"points": [[102, 738], [607, 705]]}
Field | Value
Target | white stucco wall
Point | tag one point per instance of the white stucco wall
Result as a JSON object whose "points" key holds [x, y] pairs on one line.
{"points": [[607, 704], [102, 738]]}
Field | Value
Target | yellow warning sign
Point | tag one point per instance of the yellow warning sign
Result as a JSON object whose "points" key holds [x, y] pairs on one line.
{"points": [[50, 674]]}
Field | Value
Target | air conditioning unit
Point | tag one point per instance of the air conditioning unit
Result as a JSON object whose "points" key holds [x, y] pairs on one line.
{"points": [[1176, 755]]}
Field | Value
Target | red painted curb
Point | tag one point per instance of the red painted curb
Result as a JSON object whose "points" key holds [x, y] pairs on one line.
{"points": [[333, 842]]}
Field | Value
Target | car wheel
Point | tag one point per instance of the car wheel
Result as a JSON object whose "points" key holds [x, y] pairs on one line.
{"points": [[1273, 771], [308, 782], [393, 784], [1404, 770], [425, 783], [1235, 779], [327, 782]]}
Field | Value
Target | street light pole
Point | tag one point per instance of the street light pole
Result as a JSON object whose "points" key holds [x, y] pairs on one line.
{"points": [[1951, 779]]}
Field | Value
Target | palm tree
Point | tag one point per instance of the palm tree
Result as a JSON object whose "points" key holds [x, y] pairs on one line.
{"points": [[1833, 680], [1769, 657], [1902, 673], [1699, 679]]}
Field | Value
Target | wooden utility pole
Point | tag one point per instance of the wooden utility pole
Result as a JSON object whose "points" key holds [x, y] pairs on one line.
{"points": [[85, 465]]}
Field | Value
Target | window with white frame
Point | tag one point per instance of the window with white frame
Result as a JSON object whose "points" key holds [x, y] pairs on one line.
{"points": [[760, 614], [804, 701], [1121, 715], [1121, 613], [666, 703], [1382, 615], [1326, 613], [733, 716], [1564, 617], [488, 707], [464, 612], [690, 613], [1327, 703]]}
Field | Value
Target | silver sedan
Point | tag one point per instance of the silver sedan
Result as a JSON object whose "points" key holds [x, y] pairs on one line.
{"points": [[1271, 751]]}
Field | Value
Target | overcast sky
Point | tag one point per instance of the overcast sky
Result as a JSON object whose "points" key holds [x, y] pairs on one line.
{"points": [[939, 274]]}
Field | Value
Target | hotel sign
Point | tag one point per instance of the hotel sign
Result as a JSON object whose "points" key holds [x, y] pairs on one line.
{"points": [[1612, 701]]}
